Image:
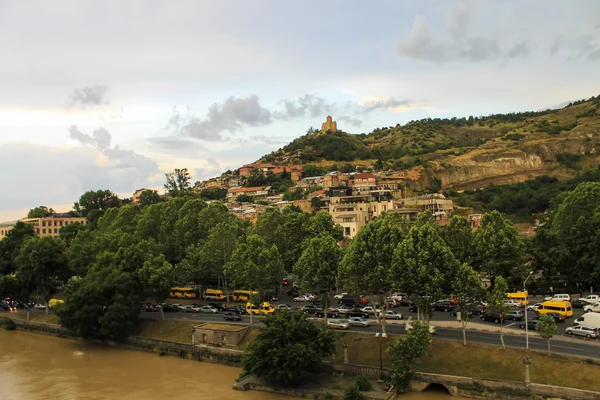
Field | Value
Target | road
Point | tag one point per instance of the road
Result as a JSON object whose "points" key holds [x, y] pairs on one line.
{"points": [[561, 345]]}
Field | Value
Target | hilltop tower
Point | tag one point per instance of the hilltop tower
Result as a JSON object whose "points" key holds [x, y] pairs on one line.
{"points": [[329, 125]]}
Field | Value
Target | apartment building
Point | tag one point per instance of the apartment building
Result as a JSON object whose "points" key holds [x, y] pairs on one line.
{"points": [[258, 192], [391, 180], [335, 179], [355, 211], [43, 227], [440, 207]]}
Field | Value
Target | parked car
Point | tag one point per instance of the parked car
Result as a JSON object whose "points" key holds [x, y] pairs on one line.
{"points": [[443, 305], [338, 324], [582, 330], [516, 315], [305, 298], [330, 313], [219, 306], [208, 310], [513, 303], [39, 306], [557, 317], [580, 303], [592, 298], [309, 309], [357, 313], [491, 316], [340, 296], [231, 316], [533, 307], [370, 310], [169, 308], [357, 321], [592, 308], [531, 324], [412, 307], [390, 314], [455, 312], [145, 307], [344, 309], [558, 297], [284, 307], [192, 309], [238, 309]]}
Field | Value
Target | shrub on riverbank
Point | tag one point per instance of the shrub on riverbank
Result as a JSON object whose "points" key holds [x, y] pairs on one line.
{"points": [[9, 325], [363, 383], [353, 393]]}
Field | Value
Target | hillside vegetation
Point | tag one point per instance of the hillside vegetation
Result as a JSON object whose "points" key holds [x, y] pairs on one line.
{"points": [[466, 153]]}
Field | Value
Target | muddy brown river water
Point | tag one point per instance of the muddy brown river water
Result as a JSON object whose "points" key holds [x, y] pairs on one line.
{"points": [[40, 367]]}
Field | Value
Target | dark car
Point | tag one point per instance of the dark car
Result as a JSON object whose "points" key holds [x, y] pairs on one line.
{"points": [[579, 303], [219, 306], [478, 309], [309, 309], [516, 315], [557, 317], [357, 312], [531, 324], [150, 307], [412, 307], [443, 305], [330, 314], [238, 309], [232, 316], [170, 308], [454, 312], [491, 316]]}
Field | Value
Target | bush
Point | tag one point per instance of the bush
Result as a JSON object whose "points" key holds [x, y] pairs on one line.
{"points": [[363, 383], [353, 393], [567, 159], [160, 350], [9, 325]]}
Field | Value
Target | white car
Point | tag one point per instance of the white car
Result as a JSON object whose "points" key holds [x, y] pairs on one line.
{"points": [[558, 297], [338, 324], [592, 308], [340, 296], [533, 307], [408, 325], [389, 314], [39, 306], [513, 303], [356, 321], [302, 298], [284, 307], [587, 331], [344, 309], [398, 296], [208, 310], [188, 309], [592, 298], [370, 310]]}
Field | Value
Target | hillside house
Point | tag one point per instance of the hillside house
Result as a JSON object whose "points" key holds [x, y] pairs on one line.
{"points": [[258, 192]]}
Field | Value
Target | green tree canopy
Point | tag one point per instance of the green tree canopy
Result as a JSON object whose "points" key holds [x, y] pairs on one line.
{"points": [[497, 302], [288, 349], [467, 288], [10, 246], [96, 200], [406, 352], [546, 328], [497, 248], [179, 183], [40, 212], [149, 197], [458, 235]]}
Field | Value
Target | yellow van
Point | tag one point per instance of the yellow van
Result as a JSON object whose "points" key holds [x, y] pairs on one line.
{"points": [[214, 294], [521, 297], [559, 307], [53, 302], [252, 309], [266, 308]]}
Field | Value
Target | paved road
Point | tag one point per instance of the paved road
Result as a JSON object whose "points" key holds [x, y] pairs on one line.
{"points": [[560, 345]]}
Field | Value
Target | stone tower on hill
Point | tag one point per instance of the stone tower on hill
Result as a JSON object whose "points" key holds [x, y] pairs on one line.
{"points": [[329, 125]]}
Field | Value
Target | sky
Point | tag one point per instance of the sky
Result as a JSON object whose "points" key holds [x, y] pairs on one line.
{"points": [[113, 94]]}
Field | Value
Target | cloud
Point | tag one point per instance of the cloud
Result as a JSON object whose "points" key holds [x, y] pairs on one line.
{"points": [[459, 20], [232, 115], [579, 46], [61, 174], [388, 104], [308, 105], [351, 120], [457, 45], [90, 96], [116, 157]]}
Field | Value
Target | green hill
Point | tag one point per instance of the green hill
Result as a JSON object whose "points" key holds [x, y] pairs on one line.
{"points": [[466, 153]]}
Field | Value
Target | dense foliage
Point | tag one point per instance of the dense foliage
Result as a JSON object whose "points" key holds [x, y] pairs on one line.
{"points": [[288, 349], [406, 352]]}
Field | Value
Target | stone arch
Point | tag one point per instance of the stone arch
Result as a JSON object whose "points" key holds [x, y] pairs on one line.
{"points": [[441, 388]]}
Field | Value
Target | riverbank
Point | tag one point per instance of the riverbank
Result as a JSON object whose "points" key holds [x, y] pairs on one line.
{"points": [[444, 358]]}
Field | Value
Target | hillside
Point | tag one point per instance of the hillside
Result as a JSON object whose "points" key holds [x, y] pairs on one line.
{"points": [[469, 152]]}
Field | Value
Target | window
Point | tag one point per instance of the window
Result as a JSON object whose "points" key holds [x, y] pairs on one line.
{"points": [[60, 223], [55, 224], [55, 230], [347, 231], [44, 223], [43, 231]]}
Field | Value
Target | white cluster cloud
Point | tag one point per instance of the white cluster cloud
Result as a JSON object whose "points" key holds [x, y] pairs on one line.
{"points": [[90, 96]]}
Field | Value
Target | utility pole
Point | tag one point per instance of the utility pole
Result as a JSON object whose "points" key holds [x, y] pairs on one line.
{"points": [[526, 320]]}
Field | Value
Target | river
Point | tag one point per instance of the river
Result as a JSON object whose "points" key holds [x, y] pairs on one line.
{"points": [[40, 367]]}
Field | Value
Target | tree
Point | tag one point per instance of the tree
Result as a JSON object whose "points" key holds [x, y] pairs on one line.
{"points": [[366, 265], [497, 248], [158, 277], [424, 265], [105, 304], [406, 352], [546, 328], [149, 197], [41, 263], [254, 265], [466, 288], [10, 246], [215, 193], [244, 198], [68, 232], [288, 349], [40, 212], [317, 267], [311, 170], [179, 183], [458, 235], [297, 194], [497, 303], [100, 200]]}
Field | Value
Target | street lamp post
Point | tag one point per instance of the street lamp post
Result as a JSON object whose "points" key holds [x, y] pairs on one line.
{"points": [[527, 361], [526, 304], [380, 337]]}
